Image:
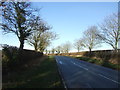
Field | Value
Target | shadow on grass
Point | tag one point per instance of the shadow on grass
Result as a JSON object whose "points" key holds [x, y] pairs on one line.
{"points": [[44, 75]]}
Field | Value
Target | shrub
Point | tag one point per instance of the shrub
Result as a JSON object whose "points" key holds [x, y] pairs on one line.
{"points": [[9, 57], [11, 60]]}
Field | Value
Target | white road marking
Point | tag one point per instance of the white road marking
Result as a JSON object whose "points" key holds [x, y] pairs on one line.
{"points": [[60, 62], [96, 73], [62, 77], [81, 66], [89, 85], [108, 78], [72, 62], [92, 72]]}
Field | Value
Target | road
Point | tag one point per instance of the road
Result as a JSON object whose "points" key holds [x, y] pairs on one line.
{"points": [[80, 74]]}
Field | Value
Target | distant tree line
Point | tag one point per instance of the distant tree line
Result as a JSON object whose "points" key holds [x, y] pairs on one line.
{"points": [[108, 32]]}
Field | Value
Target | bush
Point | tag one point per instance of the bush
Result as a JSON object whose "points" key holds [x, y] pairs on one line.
{"points": [[11, 60], [9, 57]]}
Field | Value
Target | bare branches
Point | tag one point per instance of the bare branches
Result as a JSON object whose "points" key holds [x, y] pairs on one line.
{"points": [[66, 47], [90, 39], [79, 44], [18, 18], [41, 37], [110, 31]]}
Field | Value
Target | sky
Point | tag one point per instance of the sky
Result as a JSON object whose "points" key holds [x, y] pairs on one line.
{"points": [[73, 0], [69, 20]]}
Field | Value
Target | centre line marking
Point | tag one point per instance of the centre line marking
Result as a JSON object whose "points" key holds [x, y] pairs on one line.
{"points": [[60, 62], [81, 66], [108, 78]]}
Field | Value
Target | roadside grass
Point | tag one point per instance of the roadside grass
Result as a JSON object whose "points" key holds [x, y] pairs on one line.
{"points": [[100, 62], [42, 75]]}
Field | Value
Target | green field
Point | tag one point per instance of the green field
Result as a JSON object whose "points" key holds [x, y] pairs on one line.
{"points": [[39, 75]]}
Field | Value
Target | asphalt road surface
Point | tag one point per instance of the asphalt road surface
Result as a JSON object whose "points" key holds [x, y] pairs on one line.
{"points": [[80, 74]]}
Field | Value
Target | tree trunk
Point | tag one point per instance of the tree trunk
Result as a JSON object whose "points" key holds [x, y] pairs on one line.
{"points": [[21, 45], [116, 47], [115, 50], [78, 49], [90, 51], [21, 50], [35, 46]]}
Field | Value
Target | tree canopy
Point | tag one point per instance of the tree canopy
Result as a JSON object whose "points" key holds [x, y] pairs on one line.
{"points": [[17, 18]]}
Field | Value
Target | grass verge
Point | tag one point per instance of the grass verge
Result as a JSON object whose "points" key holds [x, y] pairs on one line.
{"points": [[41, 75], [100, 62]]}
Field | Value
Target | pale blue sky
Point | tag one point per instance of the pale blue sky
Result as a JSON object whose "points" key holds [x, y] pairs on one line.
{"points": [[69, 19]]}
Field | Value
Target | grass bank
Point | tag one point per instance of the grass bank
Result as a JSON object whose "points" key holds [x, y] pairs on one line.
{"points": [[37, 75], [100, 62]]}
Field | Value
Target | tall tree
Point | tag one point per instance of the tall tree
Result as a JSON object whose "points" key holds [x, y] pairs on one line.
{"points": [[46, 51], [45, 40], [17, 18], [58, 49], [90, 38], [53, 50], [36, 39], [66, 47], [79, 44], [110, 31], [41, 41]]}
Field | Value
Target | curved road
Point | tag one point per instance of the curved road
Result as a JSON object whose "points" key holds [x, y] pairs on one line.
{"points": [[80, 74]]}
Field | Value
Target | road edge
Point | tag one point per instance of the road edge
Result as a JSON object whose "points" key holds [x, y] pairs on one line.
{"points": [[60, 74]]}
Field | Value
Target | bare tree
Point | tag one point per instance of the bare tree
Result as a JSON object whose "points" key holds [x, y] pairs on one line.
{"points": [[110, 31], [17, 18], [46, 39], [66, 47], [37, 37], [58, 49], [79, 44], [53, 50], [90, 38], [46, 51], [41, 41]]}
